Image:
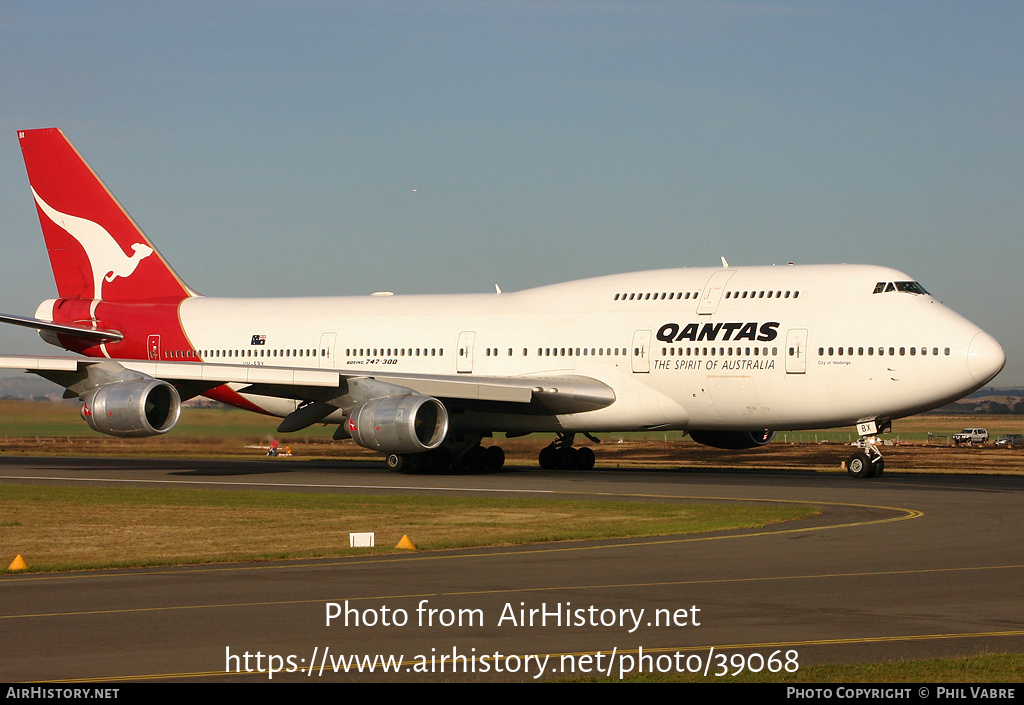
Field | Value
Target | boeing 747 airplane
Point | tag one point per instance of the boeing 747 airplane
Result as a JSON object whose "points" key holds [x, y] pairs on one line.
{"points": [[729, 354]]}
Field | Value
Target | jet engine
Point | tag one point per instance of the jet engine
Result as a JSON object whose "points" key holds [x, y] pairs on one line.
{"points": [[411, 423], [134, 409], [733, 440]]}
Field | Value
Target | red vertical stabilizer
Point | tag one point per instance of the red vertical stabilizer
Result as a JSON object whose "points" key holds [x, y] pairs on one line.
{"points": [[96, 249]]}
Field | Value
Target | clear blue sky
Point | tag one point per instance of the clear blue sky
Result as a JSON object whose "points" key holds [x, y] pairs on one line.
{"points": [[280, 148]]}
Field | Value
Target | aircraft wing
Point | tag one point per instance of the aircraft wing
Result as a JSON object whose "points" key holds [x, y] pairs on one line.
{"points": [[548, 394]]}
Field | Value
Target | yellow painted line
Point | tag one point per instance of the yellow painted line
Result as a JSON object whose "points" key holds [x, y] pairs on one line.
{"points": [[520, 590]]}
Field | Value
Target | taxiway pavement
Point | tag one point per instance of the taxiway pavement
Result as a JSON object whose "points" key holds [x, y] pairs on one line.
{"points": [[903, 567]]}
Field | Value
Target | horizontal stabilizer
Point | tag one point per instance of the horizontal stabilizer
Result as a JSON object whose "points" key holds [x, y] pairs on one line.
{"points": [[77, 331]]}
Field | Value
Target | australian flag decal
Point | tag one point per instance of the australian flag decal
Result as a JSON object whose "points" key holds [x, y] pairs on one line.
{"points": [[259, 340]]}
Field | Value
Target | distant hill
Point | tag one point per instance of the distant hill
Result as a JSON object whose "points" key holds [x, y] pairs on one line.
{"points": [[987, 401], [996, 391], [30, 387]]}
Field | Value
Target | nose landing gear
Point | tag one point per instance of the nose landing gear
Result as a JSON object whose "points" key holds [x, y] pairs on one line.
{"points": [[867, 462]]}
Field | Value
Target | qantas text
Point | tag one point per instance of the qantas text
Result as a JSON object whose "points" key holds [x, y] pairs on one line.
{"points": [[673, 332]]}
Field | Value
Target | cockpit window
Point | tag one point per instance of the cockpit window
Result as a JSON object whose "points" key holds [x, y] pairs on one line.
{"points": [[906, 287], [911, 288]]}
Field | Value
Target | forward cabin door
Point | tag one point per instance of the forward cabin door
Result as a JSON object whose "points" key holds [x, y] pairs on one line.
{"points": [[641, 352], [796, 351], [326, 352], [464, 352]]}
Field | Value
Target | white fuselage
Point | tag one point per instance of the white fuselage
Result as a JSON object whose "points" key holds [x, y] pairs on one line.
{"points": [[739, 348]]}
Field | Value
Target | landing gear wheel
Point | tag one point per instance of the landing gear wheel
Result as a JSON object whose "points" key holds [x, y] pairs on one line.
{"points": [[440, 460], [415, 463], [867, 461], [548, 458], [567, 458], [859, 465], [879, 467], [585, 459], [562, 456], [495, 458], [409, 464], [471, 461]]}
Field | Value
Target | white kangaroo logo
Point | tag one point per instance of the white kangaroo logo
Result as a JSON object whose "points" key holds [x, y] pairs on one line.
{"points": [[106, 258]]}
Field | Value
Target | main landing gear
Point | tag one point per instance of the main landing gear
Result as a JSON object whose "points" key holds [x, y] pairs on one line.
{"points": [[467, 457], [561, 455]]}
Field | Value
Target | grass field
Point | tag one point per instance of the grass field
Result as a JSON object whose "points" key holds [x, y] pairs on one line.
{"points": [[62, 528]]}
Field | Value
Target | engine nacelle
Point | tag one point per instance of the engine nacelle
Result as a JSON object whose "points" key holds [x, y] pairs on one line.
{"points": [[733, 440], [411, 423], [132, 409]]}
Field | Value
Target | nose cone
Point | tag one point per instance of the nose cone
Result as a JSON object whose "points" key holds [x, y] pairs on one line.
{"points": [[985, 357]]}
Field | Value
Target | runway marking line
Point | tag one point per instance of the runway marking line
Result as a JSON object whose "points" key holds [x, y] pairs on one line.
{"points": [[516, 590], [281, 485]]}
